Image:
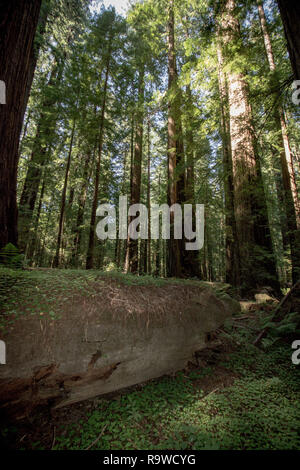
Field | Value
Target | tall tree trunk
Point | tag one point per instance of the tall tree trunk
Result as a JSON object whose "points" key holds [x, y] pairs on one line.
{"points": [[121, 244], [132, 245], [81, 207], [18, 23], [190, 174], [32, 243], [280, 120], [190, 259], [290, 197], [149, 202], [46, 123], [41, 29], [63, 199], [231, 245], [257, 264], [90, 251], [290, 14], [126, 261], [159, 244], [175, 149]]}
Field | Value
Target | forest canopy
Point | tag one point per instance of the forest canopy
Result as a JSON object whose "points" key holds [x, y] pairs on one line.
{"points": [[173, 102]]}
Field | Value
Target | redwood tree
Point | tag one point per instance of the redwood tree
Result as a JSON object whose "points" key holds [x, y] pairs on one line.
{"points": [[39, 155], [257, 263], [91, 243], [290, 14], [232, 256], [176, 193], [290, 193], [18, 24], [136, 170]]}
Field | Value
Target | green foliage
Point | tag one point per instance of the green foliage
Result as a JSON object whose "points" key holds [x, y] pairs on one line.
{"points": [[261, 410], [40, 292], [10, 256], [74, 53], [288, 326]]}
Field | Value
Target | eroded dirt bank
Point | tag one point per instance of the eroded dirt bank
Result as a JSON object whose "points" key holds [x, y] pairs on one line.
{"points": [[115, 337]]}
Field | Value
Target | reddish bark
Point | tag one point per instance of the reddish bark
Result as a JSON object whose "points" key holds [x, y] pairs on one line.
{"points": [[18, 24]]}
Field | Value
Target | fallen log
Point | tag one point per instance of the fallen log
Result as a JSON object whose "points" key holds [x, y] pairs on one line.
{"points": [[120, 337]]}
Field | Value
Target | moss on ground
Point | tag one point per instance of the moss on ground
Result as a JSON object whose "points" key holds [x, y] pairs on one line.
{"points": [[45, 291]]}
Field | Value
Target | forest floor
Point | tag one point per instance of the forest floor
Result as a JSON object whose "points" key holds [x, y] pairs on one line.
{"points": [[238, 397]]}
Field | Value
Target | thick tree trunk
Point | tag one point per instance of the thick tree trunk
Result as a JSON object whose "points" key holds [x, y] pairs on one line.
{"points": [[290, 14], [18, 24], [41, 29], [290, 196], [280, 120], [257, 264], [175, 150]]}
